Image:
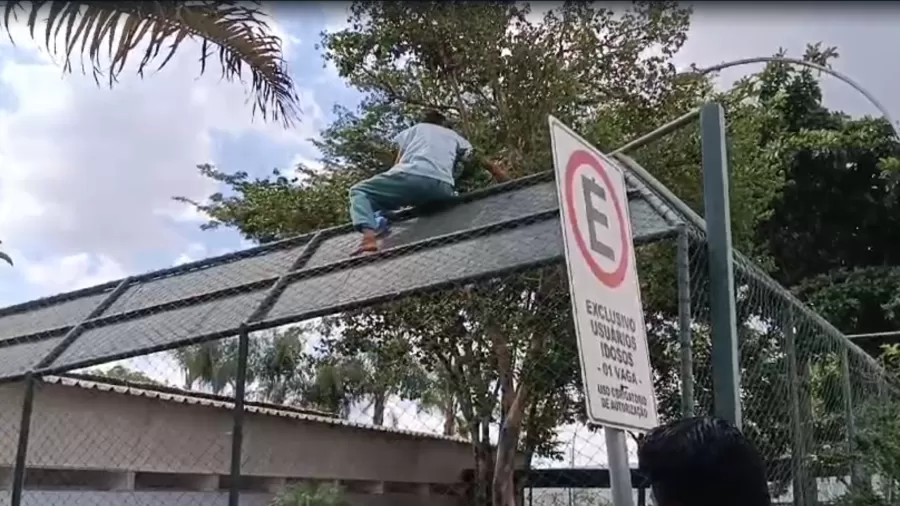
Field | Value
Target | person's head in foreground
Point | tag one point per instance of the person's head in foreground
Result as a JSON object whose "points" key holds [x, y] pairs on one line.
{"points": [[703, 461]]}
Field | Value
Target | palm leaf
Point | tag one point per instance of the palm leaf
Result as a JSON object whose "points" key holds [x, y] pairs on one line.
{"points": [[107, 34], [6, 258]]}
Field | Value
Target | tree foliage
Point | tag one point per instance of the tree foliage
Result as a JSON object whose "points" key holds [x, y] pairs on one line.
{"points": [[122, 373]]}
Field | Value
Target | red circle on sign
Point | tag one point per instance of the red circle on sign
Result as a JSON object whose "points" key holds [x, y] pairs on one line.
{"points": [[576, 160]]}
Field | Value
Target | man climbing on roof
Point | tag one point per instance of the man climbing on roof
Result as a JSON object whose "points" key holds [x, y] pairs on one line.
{"points": [[428, 154]]}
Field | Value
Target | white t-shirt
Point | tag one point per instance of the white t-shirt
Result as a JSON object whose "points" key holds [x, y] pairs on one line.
{"points": [[430, 150]]}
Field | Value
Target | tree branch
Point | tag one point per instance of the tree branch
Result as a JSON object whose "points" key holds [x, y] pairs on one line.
{"points": [[394, 95]]}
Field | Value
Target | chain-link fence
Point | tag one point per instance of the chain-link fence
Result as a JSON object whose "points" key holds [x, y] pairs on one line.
{"points": [[293, 374]]}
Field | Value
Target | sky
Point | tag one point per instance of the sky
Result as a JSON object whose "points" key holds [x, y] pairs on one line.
{"points": [[87, 173]]}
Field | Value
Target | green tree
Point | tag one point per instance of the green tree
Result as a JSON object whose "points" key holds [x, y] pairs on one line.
{"points": [[105, 36], [281, 366], [280, 370], [441, 399], [120, 372], [212, 364], [832, 230], [382, 358]]}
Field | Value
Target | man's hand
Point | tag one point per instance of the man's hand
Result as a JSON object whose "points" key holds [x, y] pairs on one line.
{"points": [[498, 171]]}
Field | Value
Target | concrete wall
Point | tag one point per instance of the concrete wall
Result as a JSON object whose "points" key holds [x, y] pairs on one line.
{"points": [[64, 498], [134, 445]]}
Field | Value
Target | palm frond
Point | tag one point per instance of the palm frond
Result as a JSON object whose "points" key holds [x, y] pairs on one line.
{"points": [[106, 34], [6, 258]]}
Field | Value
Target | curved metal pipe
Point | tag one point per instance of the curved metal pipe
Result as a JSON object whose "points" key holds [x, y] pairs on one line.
{"points": [[770, 59]]}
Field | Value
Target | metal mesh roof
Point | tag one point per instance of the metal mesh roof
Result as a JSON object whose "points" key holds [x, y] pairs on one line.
{"points": [[502, 229]]}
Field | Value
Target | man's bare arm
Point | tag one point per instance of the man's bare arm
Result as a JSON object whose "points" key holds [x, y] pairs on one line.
{"points": [[497, 171]]}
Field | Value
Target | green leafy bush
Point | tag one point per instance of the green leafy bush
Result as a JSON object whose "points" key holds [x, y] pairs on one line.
{"points": [[310, 495]]}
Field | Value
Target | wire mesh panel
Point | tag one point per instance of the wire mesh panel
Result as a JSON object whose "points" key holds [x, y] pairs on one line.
{"points": [[11, 396], [811, 400], [127, 433]]}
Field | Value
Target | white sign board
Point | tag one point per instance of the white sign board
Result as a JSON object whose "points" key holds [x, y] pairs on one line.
{"points": [[606, 297]]}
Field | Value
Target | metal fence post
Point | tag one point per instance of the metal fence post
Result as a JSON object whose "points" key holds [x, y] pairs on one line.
{"points": [[716, 205], [855, 478], [810, 485], [683, 266], [18, 482], [798, 448], [237, 432]]}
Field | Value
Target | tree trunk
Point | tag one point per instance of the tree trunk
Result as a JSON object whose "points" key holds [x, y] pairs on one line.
{"points": [[513, 401], [520, 486], [378, 409], [449, 423], [485, 459], [450, 416], [479, 493], [504, 485]]}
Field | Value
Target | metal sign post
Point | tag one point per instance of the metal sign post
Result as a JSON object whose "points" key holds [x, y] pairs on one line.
{"points": [[606, 299]]}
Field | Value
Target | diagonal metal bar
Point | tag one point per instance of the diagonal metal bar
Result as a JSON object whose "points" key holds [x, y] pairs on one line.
{"points": [[237, 410], [281, 283], [349, 306], [76, 331], [149, 276]]}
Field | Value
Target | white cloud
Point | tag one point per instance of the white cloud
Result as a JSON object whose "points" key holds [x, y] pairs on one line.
{"points": [[89, 169], [70, 272], [194, 252]]}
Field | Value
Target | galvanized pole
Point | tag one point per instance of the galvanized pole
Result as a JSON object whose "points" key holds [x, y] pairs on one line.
{"points": [[237, 432], [850, 420], [619, 468], [683, 266], [726, 373], [798, 449], [18, 483]]}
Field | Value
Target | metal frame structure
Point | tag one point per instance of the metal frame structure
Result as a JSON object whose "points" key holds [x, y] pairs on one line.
{"points": [[275, 284], [260, 294], [48, 340]]}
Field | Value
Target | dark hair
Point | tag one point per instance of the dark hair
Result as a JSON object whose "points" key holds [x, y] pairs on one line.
{"points": [[703, 461], [434, 117]]}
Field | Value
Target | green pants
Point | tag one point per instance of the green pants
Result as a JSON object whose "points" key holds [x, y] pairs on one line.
{"points": [[392, 191]]}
